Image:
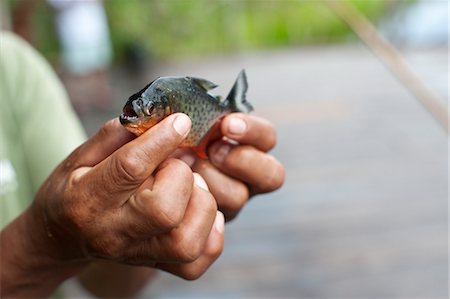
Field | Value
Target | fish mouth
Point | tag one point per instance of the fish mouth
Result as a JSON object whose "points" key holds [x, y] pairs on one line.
{"points": [[137, 125], [128, 115], [137, 119]]}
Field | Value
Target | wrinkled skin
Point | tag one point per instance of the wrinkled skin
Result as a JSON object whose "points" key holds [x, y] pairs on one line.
{"points": [[235, 172], [150, 210], [122, 199]]}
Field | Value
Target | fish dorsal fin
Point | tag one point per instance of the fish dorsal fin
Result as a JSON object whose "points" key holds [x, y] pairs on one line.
{"points": [[236, 100], [203, 83]]}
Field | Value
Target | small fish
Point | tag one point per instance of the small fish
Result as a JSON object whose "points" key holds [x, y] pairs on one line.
{"points": [[189, 95]]}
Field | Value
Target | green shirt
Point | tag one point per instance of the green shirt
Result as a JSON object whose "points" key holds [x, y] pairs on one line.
{"points": [[38, 126]]}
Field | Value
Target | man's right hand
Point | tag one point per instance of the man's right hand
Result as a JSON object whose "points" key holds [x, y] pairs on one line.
{"points": [[121, 199]]}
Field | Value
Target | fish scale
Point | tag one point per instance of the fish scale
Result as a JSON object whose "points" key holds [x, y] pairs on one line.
{"points": [[203, 112], [189, 95]]}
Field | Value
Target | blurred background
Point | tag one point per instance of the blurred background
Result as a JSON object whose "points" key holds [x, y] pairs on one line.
{"points": [[364, 210]]}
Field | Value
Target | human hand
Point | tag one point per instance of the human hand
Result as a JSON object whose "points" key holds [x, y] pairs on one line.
{"points": [[121, 199], [238, 170]]}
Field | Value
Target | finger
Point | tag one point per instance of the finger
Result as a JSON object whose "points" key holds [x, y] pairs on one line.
{"points": [[249, 129], [261, 171], [186, 242], [107, 140], [186, 155], [160, 203], [230, 194], [213, 249], [121, 173]]}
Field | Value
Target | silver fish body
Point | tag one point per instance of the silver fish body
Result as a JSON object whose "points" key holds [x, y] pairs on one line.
{"points": [[189, 95]]}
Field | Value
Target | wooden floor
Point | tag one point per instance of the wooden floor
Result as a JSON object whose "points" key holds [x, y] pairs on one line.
{"points": [[364, 211]]}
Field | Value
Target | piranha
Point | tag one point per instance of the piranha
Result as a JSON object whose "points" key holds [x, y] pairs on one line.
{"points": [[189, 95]]}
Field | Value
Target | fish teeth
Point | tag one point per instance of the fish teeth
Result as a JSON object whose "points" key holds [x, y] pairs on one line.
{"points": [[129, 117]]}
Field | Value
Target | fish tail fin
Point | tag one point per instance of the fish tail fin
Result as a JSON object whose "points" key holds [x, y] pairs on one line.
{"points": [[236, 100]]}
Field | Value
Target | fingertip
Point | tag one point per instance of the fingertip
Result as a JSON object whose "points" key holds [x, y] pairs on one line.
{"points": [[249, 129], [237, 126], [182, 124], [234, 125]]}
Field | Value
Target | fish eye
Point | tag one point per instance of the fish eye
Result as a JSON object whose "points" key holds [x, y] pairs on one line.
{"points": [[149, 109]]}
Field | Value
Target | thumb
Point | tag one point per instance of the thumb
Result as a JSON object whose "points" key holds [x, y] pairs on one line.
{"points": [[127, 168], [106, 141]]}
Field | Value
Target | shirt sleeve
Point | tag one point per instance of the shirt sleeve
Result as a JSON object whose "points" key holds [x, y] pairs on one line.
{"points": [[46, 123]]}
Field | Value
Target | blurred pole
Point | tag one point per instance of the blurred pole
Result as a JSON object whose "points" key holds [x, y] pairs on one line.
{"points": [[5, 17], [392, 58]]}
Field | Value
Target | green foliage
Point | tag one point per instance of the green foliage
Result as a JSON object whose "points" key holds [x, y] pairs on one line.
{"points": [[195, 27], [177, 28], [46, 36]]}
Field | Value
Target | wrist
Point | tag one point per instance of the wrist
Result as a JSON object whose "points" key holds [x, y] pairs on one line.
{"points": [[30, 258]]}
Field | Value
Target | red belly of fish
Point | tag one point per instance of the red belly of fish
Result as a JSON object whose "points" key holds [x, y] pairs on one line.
{"points": [[200, 149]]}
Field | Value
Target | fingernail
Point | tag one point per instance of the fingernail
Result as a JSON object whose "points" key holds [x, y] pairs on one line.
{"points": [[237, 126], [200, 182], [220, 222], [182, 124], [219, 153]]}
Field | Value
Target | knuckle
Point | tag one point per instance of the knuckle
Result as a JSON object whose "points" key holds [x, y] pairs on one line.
{"points": [[107, 246], [180, 173], [108, 127], [129, 168], [210, 204], [241, 156], [238, 155], [235, 198], [168, 217], [142, 219], [214, 251], [181, 168], [75, 211], [192, 274], [188, 249], [169, 212]]}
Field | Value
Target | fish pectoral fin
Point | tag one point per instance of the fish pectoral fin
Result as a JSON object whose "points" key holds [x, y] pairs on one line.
{"points": [[200, 151], [203, 83], [201, 148]]}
